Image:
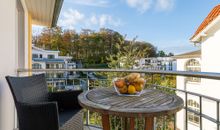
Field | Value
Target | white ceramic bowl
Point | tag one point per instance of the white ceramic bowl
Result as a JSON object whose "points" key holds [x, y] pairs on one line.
{"points": [[127, 94]]}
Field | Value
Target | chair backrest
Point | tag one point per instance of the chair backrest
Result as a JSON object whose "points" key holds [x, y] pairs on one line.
{"points": [[29, 89]]}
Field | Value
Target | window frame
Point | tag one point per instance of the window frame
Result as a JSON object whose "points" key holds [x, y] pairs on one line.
{"points": [[192, 117], [193, 65]]}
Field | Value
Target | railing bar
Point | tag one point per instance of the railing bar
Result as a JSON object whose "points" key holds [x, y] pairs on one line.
{"points": [[175, 121], [200, 111], [186, 111], [191, 93], [202, 115], [217, 115], [152, 79], [207, 75], [87, 112]]}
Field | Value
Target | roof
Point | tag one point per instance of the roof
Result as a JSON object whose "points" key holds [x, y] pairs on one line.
{"points": [[44, 12], [58, 6], [48, 60], [212, 16], [40, 49], [193, 54]]}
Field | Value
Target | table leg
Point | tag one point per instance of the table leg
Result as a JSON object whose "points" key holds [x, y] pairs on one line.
{"points": [[149, 123], [132, 123], [105, 122]]}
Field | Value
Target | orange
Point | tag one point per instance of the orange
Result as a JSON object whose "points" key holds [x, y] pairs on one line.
{"points": [[131, 89], [123, 90], [120, 83], [138, 87]]}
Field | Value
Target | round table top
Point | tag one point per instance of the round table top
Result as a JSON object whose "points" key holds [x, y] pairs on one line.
{"points": [[151, 102]]}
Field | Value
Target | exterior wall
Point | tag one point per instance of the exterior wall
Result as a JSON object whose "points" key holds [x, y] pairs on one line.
{"points": [[205, 87], [189, 86], [13, 54], [211, 63]]}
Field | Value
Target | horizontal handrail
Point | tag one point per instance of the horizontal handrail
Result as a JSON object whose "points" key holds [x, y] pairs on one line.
{"points": [[188, 92], [207, 75]]}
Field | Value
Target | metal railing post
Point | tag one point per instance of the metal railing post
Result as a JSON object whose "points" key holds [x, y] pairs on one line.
{"points": [[217, 114], [186, 111], [87, 85], [200, 111], [152, 80], [174, 121]]}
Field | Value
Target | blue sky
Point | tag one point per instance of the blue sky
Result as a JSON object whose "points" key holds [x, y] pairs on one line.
{"points": [[167, 24]]}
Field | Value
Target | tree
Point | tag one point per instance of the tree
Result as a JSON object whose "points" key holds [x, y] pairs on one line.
{"points": [[129, 52], [89, 46], [161, 54], [170, 54]]}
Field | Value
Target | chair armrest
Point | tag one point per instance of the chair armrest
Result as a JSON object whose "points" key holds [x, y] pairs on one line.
{"points": [[66, 99], [39, 116]]}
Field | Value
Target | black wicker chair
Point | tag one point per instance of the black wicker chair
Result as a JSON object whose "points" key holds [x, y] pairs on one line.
{"points": [[38, 109]]}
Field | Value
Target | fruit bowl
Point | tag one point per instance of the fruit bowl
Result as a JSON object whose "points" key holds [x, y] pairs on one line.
{"points": [[131, 85]]}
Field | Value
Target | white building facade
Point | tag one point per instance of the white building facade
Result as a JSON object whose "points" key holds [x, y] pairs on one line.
{"points": [[49, 59], [207, 37], [156, 63]]}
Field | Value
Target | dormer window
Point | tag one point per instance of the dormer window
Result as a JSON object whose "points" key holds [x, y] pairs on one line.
{"points": [[50, 56], [193, 65], [34, 55]]}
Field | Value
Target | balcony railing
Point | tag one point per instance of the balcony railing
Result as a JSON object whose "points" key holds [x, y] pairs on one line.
{"points": [[200, 111]]}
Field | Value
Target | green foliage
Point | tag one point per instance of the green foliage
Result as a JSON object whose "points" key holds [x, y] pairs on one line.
{"points": [[88, 46], [130, 51], [163, 54]]}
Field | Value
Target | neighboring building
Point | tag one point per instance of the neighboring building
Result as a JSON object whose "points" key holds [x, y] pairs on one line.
{"points": [[48, 59], [207, 37], [156, 63], [17, 18], [190, 61]]}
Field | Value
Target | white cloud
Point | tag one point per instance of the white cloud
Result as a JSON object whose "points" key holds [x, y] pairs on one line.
{"points": [[96, 3], [163, 5], [144, 5], [103, 20], [108, 20], [72, 18], [140, 5]]}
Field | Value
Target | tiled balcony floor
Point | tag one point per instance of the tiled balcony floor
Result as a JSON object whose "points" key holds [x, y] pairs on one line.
{"points": [[91, 128]]}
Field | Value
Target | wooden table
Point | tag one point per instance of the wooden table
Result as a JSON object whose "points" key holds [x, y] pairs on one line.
{"points": [[150, 104]]}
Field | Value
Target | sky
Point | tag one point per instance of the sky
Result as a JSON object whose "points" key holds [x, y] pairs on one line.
{"points": [[167, 24]]}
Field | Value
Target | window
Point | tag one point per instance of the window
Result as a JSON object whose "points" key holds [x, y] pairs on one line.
{"points": [[192, 117], [34, 55], [61, 66], [47, 66], [36, 66], [51, 66], [41, 56], [50, 56], [193, 65]]}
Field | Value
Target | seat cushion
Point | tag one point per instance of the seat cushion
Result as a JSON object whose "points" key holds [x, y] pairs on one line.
{"points": [[71, 119]]}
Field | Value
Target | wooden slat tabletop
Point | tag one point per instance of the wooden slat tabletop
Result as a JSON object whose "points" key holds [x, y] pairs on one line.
{"points": [[151, 103]]}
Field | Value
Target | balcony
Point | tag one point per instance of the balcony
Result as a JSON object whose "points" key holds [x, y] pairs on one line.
{"points": [[201, 108]]}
